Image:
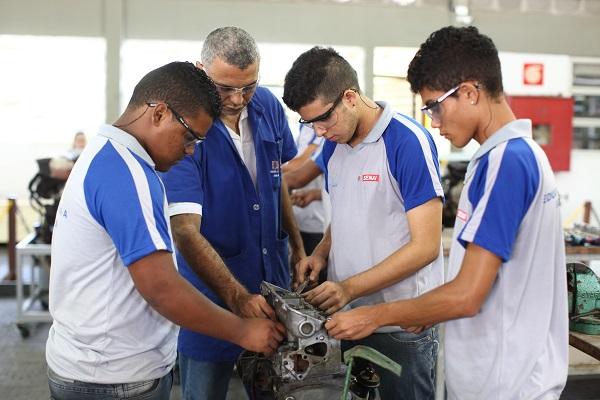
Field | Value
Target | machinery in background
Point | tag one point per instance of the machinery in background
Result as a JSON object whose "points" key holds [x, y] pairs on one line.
{"points": [[45, 190], [308, 363], [584, 298]]}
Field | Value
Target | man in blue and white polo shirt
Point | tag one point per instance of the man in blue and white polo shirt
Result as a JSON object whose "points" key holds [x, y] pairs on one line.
{"points": [[506, 299], [384, 240], [116, 296]]}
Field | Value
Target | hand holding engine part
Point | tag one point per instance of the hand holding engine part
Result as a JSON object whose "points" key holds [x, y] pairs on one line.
{"points": [[328, 297], [308, 268], [251, 305]]}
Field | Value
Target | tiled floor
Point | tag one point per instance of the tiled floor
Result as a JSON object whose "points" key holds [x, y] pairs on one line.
{"points": [[23, 366]]}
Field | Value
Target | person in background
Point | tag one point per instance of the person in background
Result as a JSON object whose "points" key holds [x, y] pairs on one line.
{"points": [[116, 296], [79, 142], [310, 217], [505, 302], [304, 174], [297, 179], [384, 240], [61, 166], [230, 209]]}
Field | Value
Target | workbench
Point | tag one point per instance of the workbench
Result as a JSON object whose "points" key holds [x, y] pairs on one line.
{"points": [[589, 344], [582, 253]]}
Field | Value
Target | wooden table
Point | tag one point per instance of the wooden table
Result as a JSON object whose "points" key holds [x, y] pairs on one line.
{"points": [[589, 344], [582, 253]]}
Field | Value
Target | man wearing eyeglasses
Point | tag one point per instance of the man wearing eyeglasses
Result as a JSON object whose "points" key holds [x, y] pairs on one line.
{"points": [[230, 210], [506, 335], [116, 297], [384, 239]]}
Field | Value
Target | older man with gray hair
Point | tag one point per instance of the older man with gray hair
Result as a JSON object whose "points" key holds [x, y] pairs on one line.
{"points": [[230, 209]]}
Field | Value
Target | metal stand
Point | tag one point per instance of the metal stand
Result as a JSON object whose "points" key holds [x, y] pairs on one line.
{"points": [[38, 288]]}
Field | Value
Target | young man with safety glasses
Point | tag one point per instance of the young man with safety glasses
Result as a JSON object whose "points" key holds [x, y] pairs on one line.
{"points": [[505, 303], [384, 239]]}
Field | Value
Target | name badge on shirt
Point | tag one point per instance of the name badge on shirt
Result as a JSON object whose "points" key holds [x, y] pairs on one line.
{"points": [[275, 168]]}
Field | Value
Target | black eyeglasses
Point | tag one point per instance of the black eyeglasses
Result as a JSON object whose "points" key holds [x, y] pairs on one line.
{"points": [[324, 117], [435, 110], [188, 141]]}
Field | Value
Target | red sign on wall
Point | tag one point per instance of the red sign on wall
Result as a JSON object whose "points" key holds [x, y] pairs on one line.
{"points": [[533, 74], [552, 120]]}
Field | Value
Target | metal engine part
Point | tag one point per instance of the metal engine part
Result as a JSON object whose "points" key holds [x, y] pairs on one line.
{"points": [[308, 363]]}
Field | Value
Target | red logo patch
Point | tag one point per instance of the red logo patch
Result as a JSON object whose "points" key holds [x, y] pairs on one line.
{"points": [[370, 178], [461, 214]]}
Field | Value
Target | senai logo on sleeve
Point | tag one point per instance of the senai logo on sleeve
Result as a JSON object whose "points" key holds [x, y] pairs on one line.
{"points": [[370, 178]]}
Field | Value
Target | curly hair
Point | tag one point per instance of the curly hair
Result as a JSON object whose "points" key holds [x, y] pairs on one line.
{"points": [[319, 73], [233, 45], [452, 55], [183, 86]]}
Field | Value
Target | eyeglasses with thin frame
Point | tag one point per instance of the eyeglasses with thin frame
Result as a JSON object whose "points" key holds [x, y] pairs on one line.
{"points": [[435, 110], [323, 121], [188, 141], [228, 91]]}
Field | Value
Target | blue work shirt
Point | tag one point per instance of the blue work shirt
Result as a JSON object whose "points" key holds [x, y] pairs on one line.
{"points": [[243, 226]]}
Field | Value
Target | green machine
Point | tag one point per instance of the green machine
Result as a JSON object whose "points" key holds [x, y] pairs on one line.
{"points": [[584, 298]]}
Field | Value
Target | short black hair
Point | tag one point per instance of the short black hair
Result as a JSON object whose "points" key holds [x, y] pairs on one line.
{"points": [[183, 86], [319, 73], [453, 55]]}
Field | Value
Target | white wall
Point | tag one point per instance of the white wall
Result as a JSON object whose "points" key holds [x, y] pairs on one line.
{"points": [[580, 184]]}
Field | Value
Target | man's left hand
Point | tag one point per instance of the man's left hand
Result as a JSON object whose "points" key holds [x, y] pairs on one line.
{"points": [[328, 297]]}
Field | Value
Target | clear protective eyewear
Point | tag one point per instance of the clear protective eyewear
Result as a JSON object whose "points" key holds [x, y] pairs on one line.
{"points": [[191, 137], [435, 110], [228, 91]]}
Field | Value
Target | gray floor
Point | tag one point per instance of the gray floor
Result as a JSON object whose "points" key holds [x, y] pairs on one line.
{"points": [[23, 367], [22, 360]]}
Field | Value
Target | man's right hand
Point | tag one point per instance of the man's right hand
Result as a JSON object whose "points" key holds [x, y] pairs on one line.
{"points": [[248, 305], [262, 335]]}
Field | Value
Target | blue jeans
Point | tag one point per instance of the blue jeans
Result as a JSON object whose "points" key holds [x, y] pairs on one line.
{"points": [[204, 380], [416, 354], [156, 389]]}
